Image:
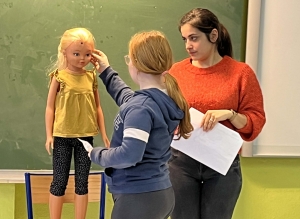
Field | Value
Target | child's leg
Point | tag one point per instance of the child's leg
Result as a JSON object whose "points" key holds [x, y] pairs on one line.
{"points": [[62, 155], [81, 202], [55, 206], [82, 169]]}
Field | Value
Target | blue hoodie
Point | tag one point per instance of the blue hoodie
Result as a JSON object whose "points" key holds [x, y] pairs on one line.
{"points": [[137, 159]]}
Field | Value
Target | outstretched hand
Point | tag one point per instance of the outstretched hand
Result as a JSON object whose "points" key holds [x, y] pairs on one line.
{"points": [[99, 60]]}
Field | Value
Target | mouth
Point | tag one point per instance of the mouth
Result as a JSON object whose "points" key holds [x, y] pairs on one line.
{"points": [[191, 53]]}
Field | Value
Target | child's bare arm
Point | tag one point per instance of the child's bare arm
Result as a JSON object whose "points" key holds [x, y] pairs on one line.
{"points": [[49, 114], [100, 120]]}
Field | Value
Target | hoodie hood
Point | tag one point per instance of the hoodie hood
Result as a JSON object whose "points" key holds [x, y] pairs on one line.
{"points": [[171, 112]]}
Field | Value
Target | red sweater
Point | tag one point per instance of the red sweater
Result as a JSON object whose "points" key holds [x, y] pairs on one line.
{"points": [[227, 85]]}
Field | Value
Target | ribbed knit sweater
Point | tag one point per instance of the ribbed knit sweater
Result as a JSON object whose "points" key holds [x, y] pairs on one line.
{"points": [[227, 85]]}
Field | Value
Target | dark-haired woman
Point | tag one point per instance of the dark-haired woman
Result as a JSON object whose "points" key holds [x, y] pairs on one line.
{"points": [[226, 91]]}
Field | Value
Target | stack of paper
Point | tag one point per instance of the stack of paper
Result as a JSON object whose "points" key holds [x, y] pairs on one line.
{"points": [[216, 148]]}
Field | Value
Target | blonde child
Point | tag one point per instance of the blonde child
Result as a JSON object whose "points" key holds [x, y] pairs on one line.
{"points": [[73, 111]]}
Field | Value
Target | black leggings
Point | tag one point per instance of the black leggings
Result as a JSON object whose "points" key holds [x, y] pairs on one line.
{"points": [[62, 156]]}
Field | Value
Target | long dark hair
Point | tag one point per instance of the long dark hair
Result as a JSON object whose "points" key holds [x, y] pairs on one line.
{"points": [[205, 21]]}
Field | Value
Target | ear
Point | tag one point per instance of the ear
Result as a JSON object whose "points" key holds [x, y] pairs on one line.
{"points": [[214, 35], [64, 52]]}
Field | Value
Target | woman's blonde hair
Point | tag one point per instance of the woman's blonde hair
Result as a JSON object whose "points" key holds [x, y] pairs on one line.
{"points": [[151, 53], [70, 36]]}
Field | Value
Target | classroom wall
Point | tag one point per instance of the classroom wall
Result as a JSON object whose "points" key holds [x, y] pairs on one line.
{"points": [[271, 190], [278, 72]]}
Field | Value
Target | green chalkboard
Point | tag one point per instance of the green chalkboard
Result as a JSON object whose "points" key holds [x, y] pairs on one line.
{"points": [[29, 36]]}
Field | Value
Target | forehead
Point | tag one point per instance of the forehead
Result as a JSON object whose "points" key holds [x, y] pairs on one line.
{"points": [[188, 30], [79, 46]]}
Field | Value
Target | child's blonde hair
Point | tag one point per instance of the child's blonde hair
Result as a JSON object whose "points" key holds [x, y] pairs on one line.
{"points": [[150, 52], [66, 40]]}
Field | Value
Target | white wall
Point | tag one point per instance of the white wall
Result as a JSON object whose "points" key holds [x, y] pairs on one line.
{"points": [[273, 37]]}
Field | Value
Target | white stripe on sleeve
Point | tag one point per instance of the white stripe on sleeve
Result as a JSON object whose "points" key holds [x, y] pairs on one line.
{"points": [[137, 134]]}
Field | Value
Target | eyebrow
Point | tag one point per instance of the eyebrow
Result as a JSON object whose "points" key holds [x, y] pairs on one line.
{"points": [[80, 51], [191, 35]]}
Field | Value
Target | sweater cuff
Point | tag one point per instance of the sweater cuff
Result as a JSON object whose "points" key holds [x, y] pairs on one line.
{"points": [[247, 131], [96, 154], [105, 73]]}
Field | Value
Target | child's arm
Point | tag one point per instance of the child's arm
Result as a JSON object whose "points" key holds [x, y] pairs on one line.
{"points": [[100, 120], [135, 138], [49, 115], [115, 86]]}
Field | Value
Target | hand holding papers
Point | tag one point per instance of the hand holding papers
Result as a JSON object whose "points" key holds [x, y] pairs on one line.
{"points": [[216, 148]]}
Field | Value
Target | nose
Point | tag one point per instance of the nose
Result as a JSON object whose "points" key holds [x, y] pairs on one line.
{"points": [[188, 44]]}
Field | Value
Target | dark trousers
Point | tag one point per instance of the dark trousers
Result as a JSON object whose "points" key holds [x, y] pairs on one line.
{"points": [[148, 205], [201, 192]]}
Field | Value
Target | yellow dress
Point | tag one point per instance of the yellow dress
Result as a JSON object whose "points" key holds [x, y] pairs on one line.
{"points": [[75, 107]]}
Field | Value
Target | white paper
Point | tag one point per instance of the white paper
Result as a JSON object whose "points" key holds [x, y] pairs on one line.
{"points": [[216, 148], [88, 147]]}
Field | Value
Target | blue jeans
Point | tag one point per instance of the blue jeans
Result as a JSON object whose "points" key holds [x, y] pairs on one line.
{"points": [[201, 192]]}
